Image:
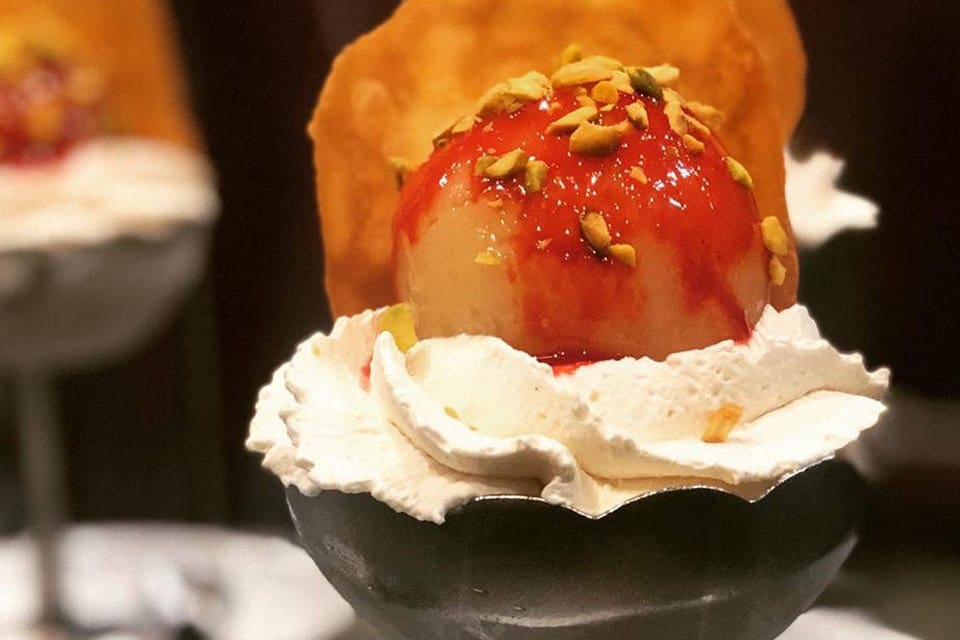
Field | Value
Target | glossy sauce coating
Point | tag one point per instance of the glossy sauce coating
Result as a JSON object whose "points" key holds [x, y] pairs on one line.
{"points": [[689, 204]]}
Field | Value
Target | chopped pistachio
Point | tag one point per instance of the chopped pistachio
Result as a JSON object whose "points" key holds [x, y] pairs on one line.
{"points": [[594, 140], [774, 237], [673, 109], [489, 257], [595, 232], [530, 86], [573, 119], [483, 163], [605, 92], [464, 124], [693, 145], [637, 113], [400, 322], [586, 101], [663, 74], [702, 130], [624, 253], [638, 174], [509, 164], [498, 99], [721, 422], [644, 83], [401, 169], [450, 411], [507, 97], [738, 172], [534, 174], [315, 348], [572, 53], [585, 71], [776, 271], [621, 81], [710, 116]]}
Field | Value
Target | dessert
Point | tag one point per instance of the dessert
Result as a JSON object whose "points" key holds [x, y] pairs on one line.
{"points": [[95, 137], [592, 272], [569, 393], [105, 195]]}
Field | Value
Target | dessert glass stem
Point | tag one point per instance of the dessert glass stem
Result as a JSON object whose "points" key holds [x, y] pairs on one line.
{"points": [[42, 472]]}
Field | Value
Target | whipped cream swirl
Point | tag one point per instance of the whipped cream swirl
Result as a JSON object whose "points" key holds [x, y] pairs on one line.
{"points": [[466, 416], [104, 189]]}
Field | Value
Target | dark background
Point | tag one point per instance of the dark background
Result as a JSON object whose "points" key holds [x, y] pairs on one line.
{"points": [[160, 435]]}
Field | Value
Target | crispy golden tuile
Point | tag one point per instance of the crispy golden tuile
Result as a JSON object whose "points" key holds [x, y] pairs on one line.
{"points": [[595, 232], [774, 31], [389, 91], [721, 422], [595, 140], [692, 145], [572, 120], [774, 237], [637, 114], [739, 172], [624, 253], [400, 321], [776, 271], [533, 175]]}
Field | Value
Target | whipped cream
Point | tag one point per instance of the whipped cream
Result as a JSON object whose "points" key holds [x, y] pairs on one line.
{"points": [[467, 416], [104, 189], [819, 208]]}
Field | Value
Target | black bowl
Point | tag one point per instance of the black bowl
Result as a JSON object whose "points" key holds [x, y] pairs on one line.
{"points": [[680, 565]]}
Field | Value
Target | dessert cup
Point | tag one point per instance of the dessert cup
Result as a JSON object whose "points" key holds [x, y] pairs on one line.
{"points": [[82, 306], [105, 206], [682, 564]]}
